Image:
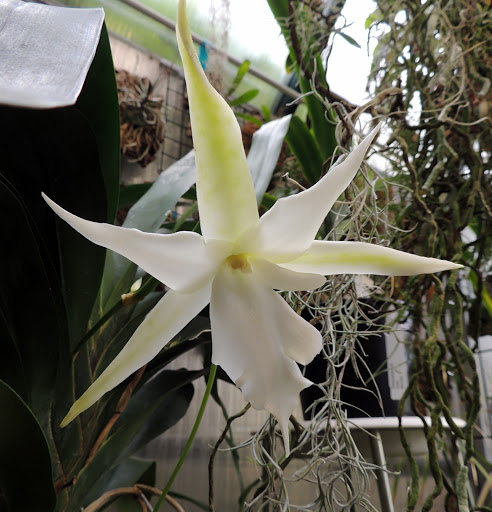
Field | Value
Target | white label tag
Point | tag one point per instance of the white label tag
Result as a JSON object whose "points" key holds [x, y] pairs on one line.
{"points": [[397, 366]]}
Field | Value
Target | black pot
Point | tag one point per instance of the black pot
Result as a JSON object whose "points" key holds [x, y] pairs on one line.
{"points": [[362, 395]]}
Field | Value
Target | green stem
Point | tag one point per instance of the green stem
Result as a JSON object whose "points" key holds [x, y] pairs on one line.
{"points": [[188, 213], [208, 390]]}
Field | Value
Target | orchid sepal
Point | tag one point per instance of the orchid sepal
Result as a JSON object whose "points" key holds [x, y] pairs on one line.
{"points": [[290, 226], [180, 260], [171, 314], [329, 258], [225, 188]]}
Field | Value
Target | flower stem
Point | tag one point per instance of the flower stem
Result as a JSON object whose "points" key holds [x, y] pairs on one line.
{"points": [[208, 390]]}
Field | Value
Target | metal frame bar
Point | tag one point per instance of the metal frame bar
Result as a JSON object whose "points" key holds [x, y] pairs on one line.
{"points": [[151, 13]]}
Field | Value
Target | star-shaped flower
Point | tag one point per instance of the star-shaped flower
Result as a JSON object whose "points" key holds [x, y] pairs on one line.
{"points": [[239, 261]]}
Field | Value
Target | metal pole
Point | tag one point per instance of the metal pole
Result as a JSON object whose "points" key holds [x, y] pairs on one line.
{"points": [[384, 488], [151, 13]]}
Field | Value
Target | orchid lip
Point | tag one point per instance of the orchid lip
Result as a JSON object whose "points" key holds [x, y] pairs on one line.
{"points": [[239, 262]]}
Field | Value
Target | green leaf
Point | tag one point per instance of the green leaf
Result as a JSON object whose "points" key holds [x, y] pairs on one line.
{"points": [[322, 128], [103, 116], [126, 474], [130, 194], [157, 406], [280, 9], [244, 98], [372, 18], [268, 201], [251, 119], [306, 149], [349, 39], [25, 464], [30, 333], [241, 73], [486, 298], [267, 113], [265, 150], [72, 155]]}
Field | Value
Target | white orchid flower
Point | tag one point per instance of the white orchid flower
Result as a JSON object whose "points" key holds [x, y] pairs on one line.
{"points": [[239, 261]]}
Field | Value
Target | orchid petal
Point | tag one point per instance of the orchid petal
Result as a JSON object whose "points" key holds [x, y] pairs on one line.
{"points": [[225, 191], [329, 258], [290, 226], [180, 260], [280, 278], [256, 339], [169, 316]]}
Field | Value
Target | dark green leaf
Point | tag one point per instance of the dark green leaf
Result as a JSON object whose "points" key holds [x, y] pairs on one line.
{"points": [[303, 145], [244, 98], [126, 474], [31, 332], [25, 464], [280, 9], [71, 153], [157, 406], [62, 160], [130, 194], [268, 201], [103, 116], [190, 337], [323, 129]]}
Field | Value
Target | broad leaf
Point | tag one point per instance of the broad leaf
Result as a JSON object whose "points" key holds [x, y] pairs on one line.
{"points": [[103, 116], [25, 465], [125, 474], [72, 153], [157, 406], [32, 333]]}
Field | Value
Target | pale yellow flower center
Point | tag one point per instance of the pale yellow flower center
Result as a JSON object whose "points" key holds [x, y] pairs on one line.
{"points": [[239, 262]]}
